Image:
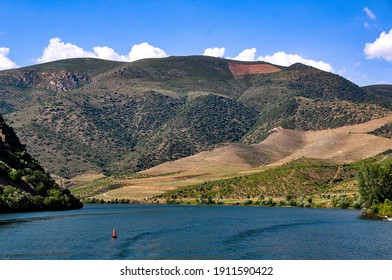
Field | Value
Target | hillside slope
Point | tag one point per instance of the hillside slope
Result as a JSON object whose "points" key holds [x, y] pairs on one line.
{"points": [[340, 145], [84, 115], [24, 184]]}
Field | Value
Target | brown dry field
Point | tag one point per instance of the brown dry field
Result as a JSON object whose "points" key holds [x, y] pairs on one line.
{"points": [[242, 69], [342, 145], [84, 178]]}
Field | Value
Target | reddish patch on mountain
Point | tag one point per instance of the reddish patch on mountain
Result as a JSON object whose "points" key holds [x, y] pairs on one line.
{"points": [[242, 69]]}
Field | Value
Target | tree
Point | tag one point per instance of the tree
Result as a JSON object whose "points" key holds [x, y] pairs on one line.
{"points": [[13, 198], [385, 208], [14, 174], [375, 183]]}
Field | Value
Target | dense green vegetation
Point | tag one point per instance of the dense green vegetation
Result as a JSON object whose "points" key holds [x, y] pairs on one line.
{"points": [[385, 208], [24, 184], [380, 94], [13, 199], [206, 121], [375, 187]]}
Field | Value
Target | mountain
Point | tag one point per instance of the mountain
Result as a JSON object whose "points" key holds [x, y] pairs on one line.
{"points": [[24, 184], [82, 115]]}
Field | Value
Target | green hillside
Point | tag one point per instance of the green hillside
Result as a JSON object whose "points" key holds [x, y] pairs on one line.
{"points": [[83, 115], [24, 184]]}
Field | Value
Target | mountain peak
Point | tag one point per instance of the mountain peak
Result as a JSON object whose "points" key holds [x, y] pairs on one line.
{"points": [[300, 66]]}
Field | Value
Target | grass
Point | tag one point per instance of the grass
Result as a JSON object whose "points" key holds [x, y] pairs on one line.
{"points": [[91, 66], [302, 177]]}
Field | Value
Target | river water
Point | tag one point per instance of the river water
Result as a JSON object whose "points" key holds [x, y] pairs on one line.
{"points": [[194, 232]]}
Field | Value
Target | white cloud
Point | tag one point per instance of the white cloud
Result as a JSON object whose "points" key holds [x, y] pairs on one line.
{"points": [[5, 61], [145, 50], [215, 52], [369, 13], [381, 48], [109, 54], [283, 59], [246, 55], [57, 50]]}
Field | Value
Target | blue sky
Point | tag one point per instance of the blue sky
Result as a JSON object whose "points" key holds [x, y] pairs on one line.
{"points": [[352, 38]]}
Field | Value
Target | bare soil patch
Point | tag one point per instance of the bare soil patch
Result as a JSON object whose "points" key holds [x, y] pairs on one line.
{"points": [[341, 145], [242, 69]]}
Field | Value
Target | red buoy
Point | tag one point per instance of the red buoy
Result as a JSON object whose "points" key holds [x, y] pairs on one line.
{"points": [[114, 234]]}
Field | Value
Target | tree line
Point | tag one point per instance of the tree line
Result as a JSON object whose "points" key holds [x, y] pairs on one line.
{"points": [[375, 188]]}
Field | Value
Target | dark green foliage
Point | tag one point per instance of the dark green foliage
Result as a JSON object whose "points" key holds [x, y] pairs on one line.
{"points": [[380, 94], [15, 161], [314, 83], [385, 209], [384, 131], [205, 122], [190, 74], [101, 201], [283, 109], [271, 117], [15, 200], [341, 201], [375, 182], [30, 187]]}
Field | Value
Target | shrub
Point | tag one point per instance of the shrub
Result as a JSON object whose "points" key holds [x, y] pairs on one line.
{"points": [[385, 208], [307, 204], [269, 202], [248, 202], [282, 203], [14, 175], [293, 202], [341, 201], [357, 204], [375, 182]]}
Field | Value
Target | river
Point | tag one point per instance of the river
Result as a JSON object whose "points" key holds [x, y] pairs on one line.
{"points": [[174, 232]]}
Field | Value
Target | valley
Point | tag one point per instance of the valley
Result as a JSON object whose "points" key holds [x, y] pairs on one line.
{"points": [[157, 130], [334, 148]]}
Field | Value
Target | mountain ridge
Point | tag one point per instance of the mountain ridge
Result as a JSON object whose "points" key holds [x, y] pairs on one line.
{"points": [[106, 116]]}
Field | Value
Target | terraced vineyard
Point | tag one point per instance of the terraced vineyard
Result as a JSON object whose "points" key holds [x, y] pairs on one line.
{"points": [[97, 186], [103, 185]]}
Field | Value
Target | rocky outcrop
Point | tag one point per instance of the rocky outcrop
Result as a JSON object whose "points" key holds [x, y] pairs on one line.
{"points": [[58, 81]]}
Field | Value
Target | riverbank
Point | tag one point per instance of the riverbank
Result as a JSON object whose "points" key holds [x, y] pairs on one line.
{"points": [[284, 203]]}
